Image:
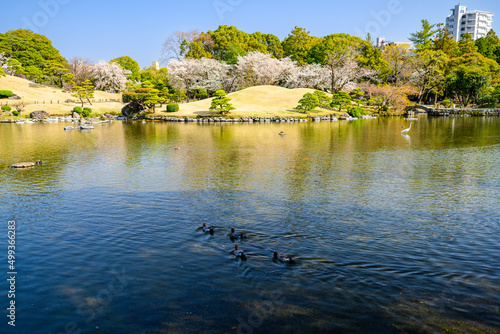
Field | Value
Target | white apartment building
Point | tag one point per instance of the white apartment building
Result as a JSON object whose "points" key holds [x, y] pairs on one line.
{"points": [[477, 23]]}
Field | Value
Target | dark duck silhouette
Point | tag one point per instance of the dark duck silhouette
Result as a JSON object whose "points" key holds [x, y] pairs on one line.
{"points": [[283, 258]]}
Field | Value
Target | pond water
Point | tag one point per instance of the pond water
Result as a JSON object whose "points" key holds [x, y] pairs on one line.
{"points": [[390, 233]]}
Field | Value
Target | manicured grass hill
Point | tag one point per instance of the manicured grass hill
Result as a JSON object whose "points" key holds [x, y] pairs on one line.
{"points": [[254, 101], [31, 92]]}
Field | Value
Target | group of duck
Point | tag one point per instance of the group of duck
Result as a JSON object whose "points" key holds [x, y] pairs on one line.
{"points": [[239, 253]]}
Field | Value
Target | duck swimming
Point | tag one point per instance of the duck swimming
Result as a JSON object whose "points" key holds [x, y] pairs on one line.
{"points": [[239, 253], [236, 235], [207, 228], [282, 133], [283, 258]]}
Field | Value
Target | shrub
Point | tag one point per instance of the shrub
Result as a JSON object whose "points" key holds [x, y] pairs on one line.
{"points": [[356, 112], [78, 110], [447, 103], [172, 107], [5, 94], [6, 108], [15, 113], [308, 102], [86, 112]]}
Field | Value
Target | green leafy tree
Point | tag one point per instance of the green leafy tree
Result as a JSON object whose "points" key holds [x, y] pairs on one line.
{"points": [[220, 103], [35, 52], [323, 99], [230, 42], [57, 71], [129, 64], [298, 45], [445, 42], [429, 74], [357, 95], [308, 102], [466, 45], [341, 99], [422, 40], [466, 82], [14, 66], [489, 46], [84, 92], [272, 43]]}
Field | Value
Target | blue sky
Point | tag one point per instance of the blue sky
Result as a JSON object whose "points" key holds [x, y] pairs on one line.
{"points": [[103, 30]]}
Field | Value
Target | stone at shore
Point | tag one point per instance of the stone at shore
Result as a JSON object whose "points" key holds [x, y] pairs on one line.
{"points": [[75, 115], [23, 165], [68, 128], [39, 114]]}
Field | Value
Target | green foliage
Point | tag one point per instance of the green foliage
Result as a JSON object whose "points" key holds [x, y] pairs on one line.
{"points": [[333, 43], [178, 95], [341, 99], [34, 52], [84, 92], [447, 103], [465, 45], [220, 103], [422, 40], [144, 98], [444, 42], [308, 102], [128, 64], [172, 107], [356, 111], [465, 82], [298, 45], [323, 99], [14, 66], [5, 94], [227, 43], [78, 110], [489, 46], [272, 43], [357, 95], [2, 73], [6, 108], [86, 112], [16, 113]]}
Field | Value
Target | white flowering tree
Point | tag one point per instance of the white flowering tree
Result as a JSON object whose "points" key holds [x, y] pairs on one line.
{"points": [[256, 69], [203, 73], [109, 77], [308, 76]]}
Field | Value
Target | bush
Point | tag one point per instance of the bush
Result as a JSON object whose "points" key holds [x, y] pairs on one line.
{"points": [[447, 103], [5, 94], [15, 113], [78, 110], [6, 108], [356, 112], [172, 107], [86, 112]]}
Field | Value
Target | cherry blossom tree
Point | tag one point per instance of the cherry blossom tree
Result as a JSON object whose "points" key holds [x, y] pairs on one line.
{"points": [[109, 77], [257, 69], [203, 73], [307, 76]]}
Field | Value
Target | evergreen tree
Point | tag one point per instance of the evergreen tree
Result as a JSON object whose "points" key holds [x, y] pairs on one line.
{"points": [[220, 103]]}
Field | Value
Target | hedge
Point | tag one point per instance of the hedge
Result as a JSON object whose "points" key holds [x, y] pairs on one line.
{"points": [[5, 94], [172, 107]]}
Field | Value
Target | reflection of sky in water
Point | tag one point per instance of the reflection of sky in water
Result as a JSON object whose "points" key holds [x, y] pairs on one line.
{"points": [[390, 233]]}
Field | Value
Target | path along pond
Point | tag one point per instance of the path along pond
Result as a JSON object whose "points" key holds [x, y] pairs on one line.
{"points": [[390, 233]]}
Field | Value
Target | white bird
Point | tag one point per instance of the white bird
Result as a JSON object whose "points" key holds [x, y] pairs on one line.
{"points": [[405, 131]]}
